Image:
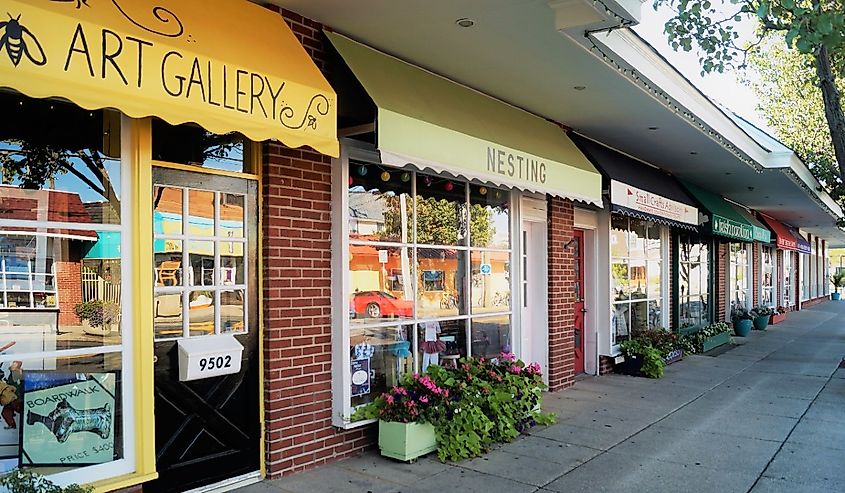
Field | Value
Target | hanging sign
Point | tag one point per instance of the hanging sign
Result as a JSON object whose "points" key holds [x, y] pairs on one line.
{"points": [[69, 419], [230, 66], [637, 199]]}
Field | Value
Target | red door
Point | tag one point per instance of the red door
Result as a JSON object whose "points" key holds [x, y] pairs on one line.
{"points": [[578, 254]]}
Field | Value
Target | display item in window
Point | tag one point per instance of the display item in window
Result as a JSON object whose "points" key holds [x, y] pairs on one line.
{"points": [[431, 346]]}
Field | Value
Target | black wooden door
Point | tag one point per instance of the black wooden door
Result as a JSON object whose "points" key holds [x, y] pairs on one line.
{"points": [[207, 430]]}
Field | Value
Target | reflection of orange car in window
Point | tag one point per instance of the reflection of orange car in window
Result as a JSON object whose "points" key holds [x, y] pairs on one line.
{"points": [[377, 304]]}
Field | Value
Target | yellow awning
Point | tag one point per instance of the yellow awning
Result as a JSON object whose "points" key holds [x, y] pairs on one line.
{"points": [[227, 65], [431, 122]]}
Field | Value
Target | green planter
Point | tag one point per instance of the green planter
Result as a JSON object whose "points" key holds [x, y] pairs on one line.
{"points": [[716, 341], [406, 441], [760, 323], [742, 327]]}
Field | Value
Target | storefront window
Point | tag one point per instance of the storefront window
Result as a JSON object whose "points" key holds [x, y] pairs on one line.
{"points": [[636, 273], [63, 319], [738, 275], [693, 281], [429, 252], [767, 266], [788, 295]]}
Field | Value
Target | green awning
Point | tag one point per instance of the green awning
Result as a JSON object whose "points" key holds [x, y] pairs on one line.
{"points": [[761, 232], [430, 122], [725, 220]]}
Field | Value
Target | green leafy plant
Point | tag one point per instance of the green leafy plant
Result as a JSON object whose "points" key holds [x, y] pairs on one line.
{"points": [[479, 403], [694, 343], [762, 311], [838, 279], [97, 312], [26, 481], [653, 363], [739, 312]]}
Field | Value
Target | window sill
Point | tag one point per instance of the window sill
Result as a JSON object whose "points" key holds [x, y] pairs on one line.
{"points": [[351, 425], [122, 482]]}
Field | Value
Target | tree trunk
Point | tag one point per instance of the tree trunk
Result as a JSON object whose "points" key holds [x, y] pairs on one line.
{"points": [[832, 106]]}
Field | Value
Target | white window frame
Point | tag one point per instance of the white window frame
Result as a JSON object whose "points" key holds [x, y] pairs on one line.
{"points": [[126, 464], [762, 284], [341, 325], [788, 293], [664, 279]]}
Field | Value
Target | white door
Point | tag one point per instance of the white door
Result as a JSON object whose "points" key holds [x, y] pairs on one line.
{"points": [[533, 293]]}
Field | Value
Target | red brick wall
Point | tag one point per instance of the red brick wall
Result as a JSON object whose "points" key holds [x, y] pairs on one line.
{"points": [[69, 288], [296, 199], [756, 272], [779, 287], [297, 314], [606, 365], [722, 251], [561, 294], [671, 267]]}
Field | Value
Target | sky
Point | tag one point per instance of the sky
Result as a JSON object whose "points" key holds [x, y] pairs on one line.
{"points": [[723, 88]]}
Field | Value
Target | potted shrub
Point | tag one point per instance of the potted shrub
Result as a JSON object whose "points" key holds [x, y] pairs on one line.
{"points": [[27, 481], [644, 358], [761, 316], [742, 320], [838, 281], [779, 315], [97, 316]]}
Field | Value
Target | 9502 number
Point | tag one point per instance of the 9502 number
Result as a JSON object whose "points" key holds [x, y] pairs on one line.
{"points": [[215, 362]]}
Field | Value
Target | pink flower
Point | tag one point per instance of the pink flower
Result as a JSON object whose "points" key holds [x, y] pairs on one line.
{"points": [[533, 369], [424, 399], [516, 370], [389, 399], [508, 357], [481, 359]]}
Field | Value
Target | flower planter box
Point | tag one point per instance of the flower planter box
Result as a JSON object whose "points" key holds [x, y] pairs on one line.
{"points": [[406, 441], [778, 318], [672, 357], [716, 341]]}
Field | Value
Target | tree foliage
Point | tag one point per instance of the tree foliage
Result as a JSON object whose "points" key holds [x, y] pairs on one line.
{"points": [[440, 221], [784, 80], [812, 27]]}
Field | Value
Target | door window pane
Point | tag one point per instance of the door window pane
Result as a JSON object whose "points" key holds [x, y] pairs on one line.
{"points": [[231, 215], [200, 213], [232, 311], [167, 210], [167, 315]]}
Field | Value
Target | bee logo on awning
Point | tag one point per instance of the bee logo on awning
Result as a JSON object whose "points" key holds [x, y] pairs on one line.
{"points": [[19, 41]]}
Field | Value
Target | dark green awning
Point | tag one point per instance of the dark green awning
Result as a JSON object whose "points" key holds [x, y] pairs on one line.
{"points": [[761, 232], [725, 220]]}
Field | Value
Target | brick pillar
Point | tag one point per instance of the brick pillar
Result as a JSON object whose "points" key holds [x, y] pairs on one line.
{"points": [[722, 251], [670, 267], [296, 248], [561, 294], [69, 289], [756, 273]]}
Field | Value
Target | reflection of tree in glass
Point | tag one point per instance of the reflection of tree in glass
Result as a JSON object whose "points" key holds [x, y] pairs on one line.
{"points": [[438, 221], [35, 165]]}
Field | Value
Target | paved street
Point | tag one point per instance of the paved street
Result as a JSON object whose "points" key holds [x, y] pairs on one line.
{"points": [[765, 416]]}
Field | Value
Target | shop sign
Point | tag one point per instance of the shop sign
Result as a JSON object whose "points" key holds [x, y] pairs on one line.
{"points": [[786, 243], [486, 269], [732, 229], [226, 65], [360, 369], [382, 256], [640, 200], [209, 356], [69, 419]]}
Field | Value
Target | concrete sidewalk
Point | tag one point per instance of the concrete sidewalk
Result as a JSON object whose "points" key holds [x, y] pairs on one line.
{"points": [[765, 416]]}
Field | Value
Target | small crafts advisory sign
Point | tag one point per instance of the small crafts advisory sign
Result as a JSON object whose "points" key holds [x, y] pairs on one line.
{"points": [[69, 419]]}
